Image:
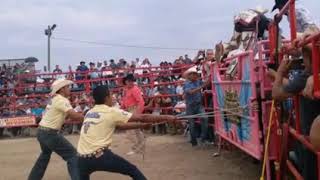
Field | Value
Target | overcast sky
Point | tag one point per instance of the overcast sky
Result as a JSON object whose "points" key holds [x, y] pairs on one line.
{"points": [[164, 23]]}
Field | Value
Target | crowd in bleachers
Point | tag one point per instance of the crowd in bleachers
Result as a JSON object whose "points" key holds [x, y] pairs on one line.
{"points": [[25, 93]]}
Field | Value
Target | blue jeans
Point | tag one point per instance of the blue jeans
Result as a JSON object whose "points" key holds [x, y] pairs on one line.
{"points": [[108, 162], [51, 141], [194, 133]]}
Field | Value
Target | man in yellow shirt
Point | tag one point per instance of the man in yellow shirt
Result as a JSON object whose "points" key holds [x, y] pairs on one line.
{"points": [[48, 135], [96, 136]]}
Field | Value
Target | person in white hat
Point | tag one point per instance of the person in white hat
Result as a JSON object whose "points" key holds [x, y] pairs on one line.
{"points": [[193, 97], [48, 135]]}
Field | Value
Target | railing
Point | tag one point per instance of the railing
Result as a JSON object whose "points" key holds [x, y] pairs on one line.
{"points": [[294, 133], [84, 86]]}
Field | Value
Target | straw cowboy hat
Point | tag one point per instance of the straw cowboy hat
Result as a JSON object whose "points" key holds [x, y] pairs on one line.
{"points": [[58, 84], [190, 70]]}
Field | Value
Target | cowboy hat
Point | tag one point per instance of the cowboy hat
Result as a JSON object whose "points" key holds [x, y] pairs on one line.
{"points": [[190, 70], [279, 4], [59, 84], [261, 10]]}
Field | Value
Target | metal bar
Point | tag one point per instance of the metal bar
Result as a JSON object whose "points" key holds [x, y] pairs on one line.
{"points": [[316, 64], [294, 171], [293, 22], [297, 111], [303, 140]]}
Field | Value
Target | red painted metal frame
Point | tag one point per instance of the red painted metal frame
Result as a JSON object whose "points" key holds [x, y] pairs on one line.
{"points": [[314, 40]]}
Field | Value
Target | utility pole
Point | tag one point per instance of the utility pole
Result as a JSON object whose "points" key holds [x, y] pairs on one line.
{"points": [[48, 32]]}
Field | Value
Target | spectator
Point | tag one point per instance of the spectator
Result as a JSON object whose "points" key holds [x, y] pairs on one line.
{"points": [[208, 60], [179, 89], [113, 65], [94, 74], [133, 102], [106, 73], [105, 65], [83, 67], [146, 65], [81, 108], [114, 68], [156, 104], [57, 69], [70, 74], [93, 71], [99, 66], [177, 69], [187, 60], [38, 109], [138, 63], [46, 77], [81, 70], [192, 92]]}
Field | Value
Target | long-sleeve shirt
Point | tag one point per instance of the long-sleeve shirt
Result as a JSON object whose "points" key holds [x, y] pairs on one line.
{"points": [[132, 98], [195, 99]]}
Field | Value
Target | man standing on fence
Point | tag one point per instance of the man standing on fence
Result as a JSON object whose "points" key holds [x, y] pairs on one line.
{"points": [[193, 97], [133, 102], [48, 135]]}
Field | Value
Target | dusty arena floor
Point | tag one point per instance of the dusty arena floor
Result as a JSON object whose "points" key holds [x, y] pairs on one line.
{"points": [[167, 158]]}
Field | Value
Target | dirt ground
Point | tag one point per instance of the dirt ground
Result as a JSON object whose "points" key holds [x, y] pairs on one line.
{"points": [[167, 158]]}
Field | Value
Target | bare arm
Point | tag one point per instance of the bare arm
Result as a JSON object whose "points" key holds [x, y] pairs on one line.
{"points": [[149, 118], [193, 91], [72, 114], [129, 126], [278, 92]]}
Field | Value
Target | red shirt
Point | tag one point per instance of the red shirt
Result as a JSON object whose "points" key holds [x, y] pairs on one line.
{"points": [[132, 98]]}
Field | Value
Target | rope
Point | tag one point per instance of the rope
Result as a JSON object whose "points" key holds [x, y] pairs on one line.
{"points": [[267, 142], [216, 113]]}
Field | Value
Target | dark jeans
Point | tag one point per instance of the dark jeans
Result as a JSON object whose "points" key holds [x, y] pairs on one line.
{"points": [[191, 110], [51, 141], [108, 162]]}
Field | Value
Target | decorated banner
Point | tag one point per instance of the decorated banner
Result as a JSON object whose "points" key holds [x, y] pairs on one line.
{"points": [[234, 94], [17, 121]]}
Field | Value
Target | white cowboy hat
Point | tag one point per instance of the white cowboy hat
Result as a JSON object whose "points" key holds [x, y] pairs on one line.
{"points": [[261, 10], [190, 70], [58, 84]]}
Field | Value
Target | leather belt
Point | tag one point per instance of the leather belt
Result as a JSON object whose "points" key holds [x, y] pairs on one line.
{"points": [[48, 129], [96, 154]]}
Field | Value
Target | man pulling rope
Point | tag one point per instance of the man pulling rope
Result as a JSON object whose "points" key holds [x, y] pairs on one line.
{"points": [[94, 152]]}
